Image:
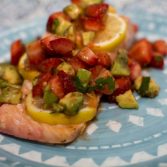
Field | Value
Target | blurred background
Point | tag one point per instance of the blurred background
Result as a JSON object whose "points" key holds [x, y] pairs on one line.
{"points": [[18, 12]]}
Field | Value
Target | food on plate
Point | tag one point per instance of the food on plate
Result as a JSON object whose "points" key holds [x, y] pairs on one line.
{"points": [[52, 87]]}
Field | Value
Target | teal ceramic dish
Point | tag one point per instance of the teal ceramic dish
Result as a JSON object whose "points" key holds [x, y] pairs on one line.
{"points": [[118, 137]]}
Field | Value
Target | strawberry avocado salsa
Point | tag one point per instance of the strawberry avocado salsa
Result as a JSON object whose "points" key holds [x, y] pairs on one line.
{"points": [[88, 51]]}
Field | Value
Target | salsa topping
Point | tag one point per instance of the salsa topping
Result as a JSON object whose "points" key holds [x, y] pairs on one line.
{"points": [[83, 56]]}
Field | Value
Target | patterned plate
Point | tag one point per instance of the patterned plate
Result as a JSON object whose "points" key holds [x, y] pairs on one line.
{"points": [[118, 137]]}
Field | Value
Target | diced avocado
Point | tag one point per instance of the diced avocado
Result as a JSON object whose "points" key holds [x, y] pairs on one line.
{"points": [[67, 68], [84, 76], [151, 91], [57, 108], [85, 3], [120, 65], [88, 37], [73, 11], [10, 74], [49, 97], [70, 33], [10, 95], [4, 84], [72, 103], [61, 26], [127, 100]]}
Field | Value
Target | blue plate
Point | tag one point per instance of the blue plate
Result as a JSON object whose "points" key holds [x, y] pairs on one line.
{"points": [[118, 137]]}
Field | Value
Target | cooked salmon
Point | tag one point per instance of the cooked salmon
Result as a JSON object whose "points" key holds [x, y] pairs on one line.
{"points": [[14, 121]]}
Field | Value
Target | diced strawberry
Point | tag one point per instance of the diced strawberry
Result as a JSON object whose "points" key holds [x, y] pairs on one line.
{"points": [[92, 24], [41, 83], [52, 18], [45, 43], [76, 1], [77, 63], [96, 71], [135, 69], [157, 61], [104, 59], [62, 45], [57, 86], [96, 10], [35, 52], [136, 28], [87, 56], [160, 46], [67, 82], [48, 64], [17, 49], [122, 85], [141, 51]]}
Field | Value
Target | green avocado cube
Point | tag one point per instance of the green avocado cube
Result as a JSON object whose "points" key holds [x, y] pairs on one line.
{"points": [[84, 76], [127, 100], [120, 65], [73, 11], [88, 37], [152, 89], [67, 68], [72, 103]]}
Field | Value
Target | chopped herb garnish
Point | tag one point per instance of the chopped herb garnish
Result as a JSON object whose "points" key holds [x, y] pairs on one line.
{"points": [[158, 58], [80, 86], [99, 84], [144, 86], [56, 23]]}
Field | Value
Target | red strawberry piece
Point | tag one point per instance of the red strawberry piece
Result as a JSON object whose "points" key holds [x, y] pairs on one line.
{"points": [[48, 64], [122, 85], [141, 51], [17, 49], [87, 56], [57, 86], [136, 28], [41, 83], [52, 18], [160, 46], [96, 71], [62, 45], [96, 10], [157, 60], [35, 52], [92, 24], [67, 82], [135, 69], [104, 59], [76, 1], [45, 43], [77, 63]]}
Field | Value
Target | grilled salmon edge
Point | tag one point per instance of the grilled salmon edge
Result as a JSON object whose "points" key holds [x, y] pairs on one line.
{"points": [[15, 122]]}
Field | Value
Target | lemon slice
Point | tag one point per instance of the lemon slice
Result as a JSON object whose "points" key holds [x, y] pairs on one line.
{"points": [[112, 35], [24, 71], [46, 116]]}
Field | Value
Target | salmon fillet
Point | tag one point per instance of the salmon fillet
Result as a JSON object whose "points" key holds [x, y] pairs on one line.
{"points": [[14, 121]]}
